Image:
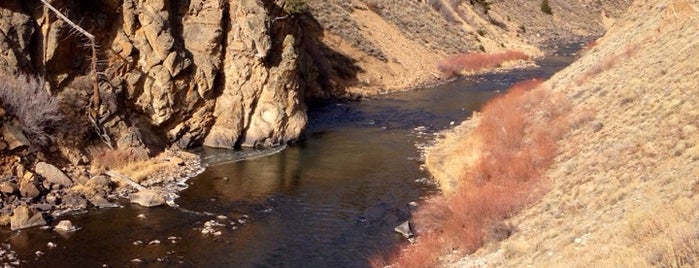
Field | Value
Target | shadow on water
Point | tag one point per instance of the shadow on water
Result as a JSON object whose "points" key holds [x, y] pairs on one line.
{"points": [[331, 200]]}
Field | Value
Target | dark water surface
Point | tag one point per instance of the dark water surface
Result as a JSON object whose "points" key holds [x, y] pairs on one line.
{"points": [[331, 200]]}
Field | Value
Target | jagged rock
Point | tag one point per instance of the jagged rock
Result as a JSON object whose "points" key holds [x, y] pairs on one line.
{"points": [[260, 105], [8, 187], [23, 217], [27, 186], [176, 70], [52, 174], [404, 229], [14, 137], [65, 226], [17, 35], [148, 198], [74, 201]]}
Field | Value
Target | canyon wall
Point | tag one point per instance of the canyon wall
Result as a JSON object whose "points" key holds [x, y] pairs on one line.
{"points": [[219, 73]]}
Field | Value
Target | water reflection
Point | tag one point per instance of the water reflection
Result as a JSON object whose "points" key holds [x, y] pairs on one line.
{"points": [[331, 200]]}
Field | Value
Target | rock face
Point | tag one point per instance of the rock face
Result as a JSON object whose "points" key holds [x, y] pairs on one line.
{"points": [[189, 72], [259, 105]]}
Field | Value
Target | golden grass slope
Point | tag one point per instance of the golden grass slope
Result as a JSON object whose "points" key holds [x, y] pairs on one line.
{"points": [[624, 189]]}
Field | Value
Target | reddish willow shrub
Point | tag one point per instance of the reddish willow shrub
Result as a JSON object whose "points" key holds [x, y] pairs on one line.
{"points": [[521, 129], [478, 61]]}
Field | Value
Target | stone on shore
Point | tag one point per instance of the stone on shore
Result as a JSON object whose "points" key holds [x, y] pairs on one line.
{"points": [[52, 174], [23, 217], [404, 229], [101, 202]]}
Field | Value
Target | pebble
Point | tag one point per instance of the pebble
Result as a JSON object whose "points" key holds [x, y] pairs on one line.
{"points": [[51, 245], [221, 217], [136, 260], [38, 253], [154, 242], [137, 243], [141, 216]]}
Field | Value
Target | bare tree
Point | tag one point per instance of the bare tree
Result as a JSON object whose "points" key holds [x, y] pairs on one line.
{"points": [[95, 102]]}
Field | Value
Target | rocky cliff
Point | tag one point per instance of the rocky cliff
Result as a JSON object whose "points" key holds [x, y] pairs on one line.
{"points": [[220, 73]]}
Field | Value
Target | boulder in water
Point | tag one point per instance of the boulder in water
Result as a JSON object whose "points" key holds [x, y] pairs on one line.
{"points": [[148, 198], [65, 226]]}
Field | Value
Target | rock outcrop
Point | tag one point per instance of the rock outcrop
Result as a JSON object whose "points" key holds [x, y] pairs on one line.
{"points": [[186, 73]]}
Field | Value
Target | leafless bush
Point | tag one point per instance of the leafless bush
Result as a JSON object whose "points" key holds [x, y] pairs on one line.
{"points": [[23, 97]]}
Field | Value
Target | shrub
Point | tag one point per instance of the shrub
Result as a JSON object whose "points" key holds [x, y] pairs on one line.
{"points": [[294, 7], [545, 7], [107, 158], [478, 61], [38, 112], [519, 132]]}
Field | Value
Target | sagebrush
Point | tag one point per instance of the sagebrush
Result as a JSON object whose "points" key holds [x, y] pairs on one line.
{"points": [[519, 131], [38, 112], [473, 62]]}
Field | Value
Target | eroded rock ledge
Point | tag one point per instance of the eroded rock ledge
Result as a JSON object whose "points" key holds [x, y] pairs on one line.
{"points": [[219, 73]]}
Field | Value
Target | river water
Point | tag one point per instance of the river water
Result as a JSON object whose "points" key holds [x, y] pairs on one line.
{"points": [[331, 200]]}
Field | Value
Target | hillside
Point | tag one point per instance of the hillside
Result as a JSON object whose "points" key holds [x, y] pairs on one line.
{"points": [[398, 44], [153, 77], [623, 190]]}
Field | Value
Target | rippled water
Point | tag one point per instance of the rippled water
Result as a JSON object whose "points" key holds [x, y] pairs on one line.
{"points": [[331, 200]]}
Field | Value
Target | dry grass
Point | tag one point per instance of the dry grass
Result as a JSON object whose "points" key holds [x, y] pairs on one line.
{"points": [[667, 236], [519, 131], [608, 63], [473, 62], [110, 159]]}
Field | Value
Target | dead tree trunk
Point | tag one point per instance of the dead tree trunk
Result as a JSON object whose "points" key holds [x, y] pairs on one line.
{"points": [[95, 102]]}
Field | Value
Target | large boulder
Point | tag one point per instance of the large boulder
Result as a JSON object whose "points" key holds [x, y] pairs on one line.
{"points": [[52, 174], [148, 198], [23, 217]]}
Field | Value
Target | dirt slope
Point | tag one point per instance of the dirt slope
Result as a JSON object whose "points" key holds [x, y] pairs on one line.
{"points": [[397, 44], [623, 192]]}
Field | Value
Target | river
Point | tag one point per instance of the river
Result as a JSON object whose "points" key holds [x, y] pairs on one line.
{"points": [[331, 200]]}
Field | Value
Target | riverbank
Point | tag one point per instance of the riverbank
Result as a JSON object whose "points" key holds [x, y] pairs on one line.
{"points": [[54, 192], [622, 189]]}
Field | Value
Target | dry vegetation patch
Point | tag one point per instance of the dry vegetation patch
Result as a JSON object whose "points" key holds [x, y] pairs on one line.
{"points": [[474, 62], [623, 191], [518, 134]]}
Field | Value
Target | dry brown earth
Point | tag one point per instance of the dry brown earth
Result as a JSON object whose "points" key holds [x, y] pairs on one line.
{"points": [[623, 191]]}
